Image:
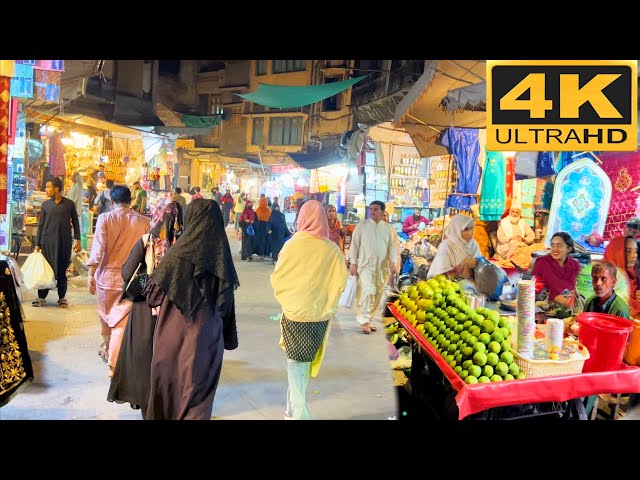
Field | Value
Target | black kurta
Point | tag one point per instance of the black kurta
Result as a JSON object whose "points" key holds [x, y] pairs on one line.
{"points": [[15, 363], [54, 233]]}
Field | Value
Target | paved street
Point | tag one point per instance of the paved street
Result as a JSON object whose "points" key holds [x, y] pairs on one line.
{"points": [[71, 381]]}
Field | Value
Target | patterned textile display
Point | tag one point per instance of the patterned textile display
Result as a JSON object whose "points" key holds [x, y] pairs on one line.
{"points": [[22, 81], [47, 85], [528, 189], [544, 195], [5, 85], [545, 165], [581, 197], [623, 170], [493, 197]]}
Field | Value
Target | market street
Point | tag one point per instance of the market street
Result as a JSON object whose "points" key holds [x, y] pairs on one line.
{"points": [[355, 380]]}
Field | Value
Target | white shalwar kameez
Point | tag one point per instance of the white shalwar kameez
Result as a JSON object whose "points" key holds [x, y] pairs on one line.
{"points": [[373, 248]]}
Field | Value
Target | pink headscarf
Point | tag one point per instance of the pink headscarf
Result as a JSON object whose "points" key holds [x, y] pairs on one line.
{"points": [[313, 220]]}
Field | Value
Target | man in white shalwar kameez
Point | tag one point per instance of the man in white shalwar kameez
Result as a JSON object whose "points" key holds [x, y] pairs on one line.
{"points": [[373, 255]]}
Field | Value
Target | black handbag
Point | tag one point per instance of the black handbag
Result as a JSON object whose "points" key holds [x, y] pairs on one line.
{"points": [[134, 288]]}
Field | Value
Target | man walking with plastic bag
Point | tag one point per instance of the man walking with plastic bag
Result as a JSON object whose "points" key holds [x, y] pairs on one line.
{"points": [[54, 239]]}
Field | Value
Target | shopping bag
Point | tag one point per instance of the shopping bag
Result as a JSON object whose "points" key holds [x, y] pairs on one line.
{"points": [[349, 294], [37, 273], [250, 231]]}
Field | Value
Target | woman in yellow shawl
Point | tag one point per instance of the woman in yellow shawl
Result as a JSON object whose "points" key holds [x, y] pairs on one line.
{"points": [[309, 278], [262, 240]]}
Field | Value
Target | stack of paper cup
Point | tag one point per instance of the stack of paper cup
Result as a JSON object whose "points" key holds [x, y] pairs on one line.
{"points": [[526, 313], [554, 334]]}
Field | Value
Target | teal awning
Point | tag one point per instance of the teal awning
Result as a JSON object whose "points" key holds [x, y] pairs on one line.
{"points": [[286, 96], [201, 122]]}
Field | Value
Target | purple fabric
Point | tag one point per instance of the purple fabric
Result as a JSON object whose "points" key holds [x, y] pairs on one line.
{"points": [[622, 169]]}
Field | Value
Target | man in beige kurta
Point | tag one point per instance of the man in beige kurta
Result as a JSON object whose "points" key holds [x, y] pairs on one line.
{"points": [[373, 256], [115, 235]]}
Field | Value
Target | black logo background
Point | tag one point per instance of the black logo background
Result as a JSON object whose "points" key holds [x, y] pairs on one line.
{"points": [[505, 77]]}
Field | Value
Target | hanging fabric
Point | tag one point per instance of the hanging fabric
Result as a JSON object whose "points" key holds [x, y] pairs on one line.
{"points": [[528, 189], [5, 85], [464, 145], [509, 181], [493, 197]]}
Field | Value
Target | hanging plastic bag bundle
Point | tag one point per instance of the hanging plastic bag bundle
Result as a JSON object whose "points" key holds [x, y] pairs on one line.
{"points": [[349, 294], [37, 273]]}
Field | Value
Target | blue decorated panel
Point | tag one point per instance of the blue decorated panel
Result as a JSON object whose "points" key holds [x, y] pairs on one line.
{"points": [[581, 197]]}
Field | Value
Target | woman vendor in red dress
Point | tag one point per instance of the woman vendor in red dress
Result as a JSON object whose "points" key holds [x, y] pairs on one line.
{"points": [[558, 271]]}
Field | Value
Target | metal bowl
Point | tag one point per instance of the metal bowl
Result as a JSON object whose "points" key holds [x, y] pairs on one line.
{"points": [[508, 301]]}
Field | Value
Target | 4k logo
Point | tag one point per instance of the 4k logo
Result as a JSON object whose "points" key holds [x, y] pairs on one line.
{"points": [[562, 105]]}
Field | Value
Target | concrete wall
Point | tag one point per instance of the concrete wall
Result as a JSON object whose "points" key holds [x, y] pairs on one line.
{"points": [[130, 77], [236, 73], [189, 78]]}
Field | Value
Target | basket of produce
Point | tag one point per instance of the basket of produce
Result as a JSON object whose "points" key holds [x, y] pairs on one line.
{"points": [[572, 358]]}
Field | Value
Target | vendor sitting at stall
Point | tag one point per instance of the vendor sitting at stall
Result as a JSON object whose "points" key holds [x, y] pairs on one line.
{"points": [[513, 234], [412, 224], [605, 300], [558, 271], [458, 251]]}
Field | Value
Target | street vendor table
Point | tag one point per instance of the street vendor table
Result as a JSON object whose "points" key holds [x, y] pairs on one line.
{"points": [[481, 397]]}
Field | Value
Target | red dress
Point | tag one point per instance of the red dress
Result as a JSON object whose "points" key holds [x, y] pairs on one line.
{"points": [[557, 278]]}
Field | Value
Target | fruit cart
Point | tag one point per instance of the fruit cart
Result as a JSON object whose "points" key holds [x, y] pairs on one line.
{"points": [[440, 393]]}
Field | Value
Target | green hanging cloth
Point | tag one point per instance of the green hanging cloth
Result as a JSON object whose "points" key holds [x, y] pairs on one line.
{"points": [[286, 96]]}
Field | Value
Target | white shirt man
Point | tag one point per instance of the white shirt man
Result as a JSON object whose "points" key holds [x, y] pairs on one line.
{"points": [[373, 257]]}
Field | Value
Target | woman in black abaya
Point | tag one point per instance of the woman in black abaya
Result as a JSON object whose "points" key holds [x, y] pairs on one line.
{"points": [[193, 287], [132, 376]]}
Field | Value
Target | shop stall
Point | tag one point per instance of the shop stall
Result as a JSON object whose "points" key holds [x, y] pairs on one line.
{"points": [[482, 363]]}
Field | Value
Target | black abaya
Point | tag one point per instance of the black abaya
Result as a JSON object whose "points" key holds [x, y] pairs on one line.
{"points": [[132, 376]]}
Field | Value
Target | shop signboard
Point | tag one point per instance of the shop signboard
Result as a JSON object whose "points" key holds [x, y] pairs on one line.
{"points": [[562, 105]]}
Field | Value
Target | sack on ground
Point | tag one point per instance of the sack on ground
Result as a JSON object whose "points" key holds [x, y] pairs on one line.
{"points": [[349, 294], [37, 273]]}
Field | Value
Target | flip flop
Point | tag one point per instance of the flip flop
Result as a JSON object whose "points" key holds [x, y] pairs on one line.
{"points": [[366, 329], [372, 327]]}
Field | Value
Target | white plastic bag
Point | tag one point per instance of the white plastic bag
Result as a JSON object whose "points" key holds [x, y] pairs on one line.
{"points": [[349, 294], [37, 273]]}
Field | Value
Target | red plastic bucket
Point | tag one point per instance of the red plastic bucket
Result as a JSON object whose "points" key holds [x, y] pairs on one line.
{"points": [[605, 336]]}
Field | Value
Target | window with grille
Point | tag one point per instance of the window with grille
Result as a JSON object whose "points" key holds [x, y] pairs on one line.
{"points": [[236, 119], [256, 131], [261, 67], [285, 131], [283, 66]]}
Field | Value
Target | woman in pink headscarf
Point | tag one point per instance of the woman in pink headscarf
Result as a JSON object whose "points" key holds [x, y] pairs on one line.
{"points": [[307, 282]]}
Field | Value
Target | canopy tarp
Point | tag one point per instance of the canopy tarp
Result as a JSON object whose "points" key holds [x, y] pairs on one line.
{"points": [[425, 110], [202, 121], [286, 96]]}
